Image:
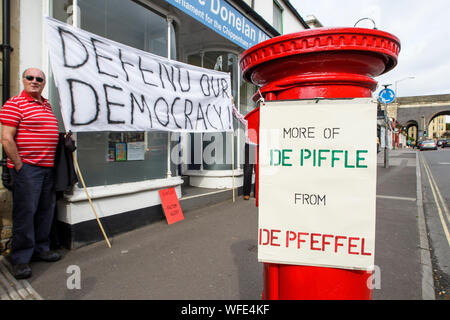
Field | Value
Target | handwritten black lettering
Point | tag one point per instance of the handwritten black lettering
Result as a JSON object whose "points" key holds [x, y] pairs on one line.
{"points": [[142, 73], [144, 104], [96, 103], [166, 112], [168, 76], [97, 56], [119, 89], [202, 117], [63, 44], [188, 81], [186, 115], [224, 88], [109, 103], [207, 116], [123, 63], [204, 79], [219, 114], [218, 87], [171, 111]]}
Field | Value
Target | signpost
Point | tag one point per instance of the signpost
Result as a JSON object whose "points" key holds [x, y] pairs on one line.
{"points": [[386, 96], [322, 173]]}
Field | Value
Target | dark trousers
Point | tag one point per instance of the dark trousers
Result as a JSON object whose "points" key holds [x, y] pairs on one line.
{"points": [[249, 166], [34, 200]]}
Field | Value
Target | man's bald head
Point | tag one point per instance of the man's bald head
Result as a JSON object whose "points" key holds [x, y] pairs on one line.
{"points": [[33, 80]]}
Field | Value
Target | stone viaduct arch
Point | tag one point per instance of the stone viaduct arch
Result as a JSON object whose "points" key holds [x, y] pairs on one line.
{"points": [[419, 111]]}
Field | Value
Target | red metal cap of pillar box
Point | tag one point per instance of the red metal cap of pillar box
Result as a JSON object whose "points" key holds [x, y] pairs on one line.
{"points": [[313, 61]]}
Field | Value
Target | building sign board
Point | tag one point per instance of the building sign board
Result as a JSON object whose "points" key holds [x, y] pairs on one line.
{"points": [[317, 183], [224, 19]]}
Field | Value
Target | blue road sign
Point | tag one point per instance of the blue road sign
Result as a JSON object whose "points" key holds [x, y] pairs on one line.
{"points": [[386, 96]]}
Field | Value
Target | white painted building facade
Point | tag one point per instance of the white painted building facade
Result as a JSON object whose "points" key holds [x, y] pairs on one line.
{"points": [[126, 192]]}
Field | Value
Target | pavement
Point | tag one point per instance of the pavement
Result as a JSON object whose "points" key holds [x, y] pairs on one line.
{"points": [[212, 253]]}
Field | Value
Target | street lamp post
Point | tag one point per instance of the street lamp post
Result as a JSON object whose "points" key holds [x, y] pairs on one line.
{"points": [[424, 129], [395, 84], [396, 95]]}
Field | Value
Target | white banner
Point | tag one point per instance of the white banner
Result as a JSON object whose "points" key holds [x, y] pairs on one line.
{"points": [[318, 183], [107, 86]]}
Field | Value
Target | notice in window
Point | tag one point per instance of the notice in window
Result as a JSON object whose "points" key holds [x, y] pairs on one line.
{"points": [[121, 151], [136, 150]]}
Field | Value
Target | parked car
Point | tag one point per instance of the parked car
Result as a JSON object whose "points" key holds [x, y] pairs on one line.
{"points": [[417, 144], [440, 142], [446, 143], [427, 145]]}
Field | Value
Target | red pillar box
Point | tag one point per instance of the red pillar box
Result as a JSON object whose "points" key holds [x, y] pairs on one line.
{"points": [[326, 63]]}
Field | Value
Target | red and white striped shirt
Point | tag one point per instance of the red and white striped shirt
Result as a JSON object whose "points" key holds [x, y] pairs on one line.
{"points": [[37, 129]]}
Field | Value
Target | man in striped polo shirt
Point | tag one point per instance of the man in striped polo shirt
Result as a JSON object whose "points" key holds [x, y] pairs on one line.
{"points": [[29, 138]]}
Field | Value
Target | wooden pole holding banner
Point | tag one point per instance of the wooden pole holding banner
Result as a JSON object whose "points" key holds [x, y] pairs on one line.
{"points": [[89, 198], [75, 24]]}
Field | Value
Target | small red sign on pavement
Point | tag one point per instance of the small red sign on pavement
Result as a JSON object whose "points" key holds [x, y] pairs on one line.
{"points": [[171, 205]]}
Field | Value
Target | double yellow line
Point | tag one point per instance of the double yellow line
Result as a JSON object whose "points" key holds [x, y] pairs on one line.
{"points": [[441, 206]]}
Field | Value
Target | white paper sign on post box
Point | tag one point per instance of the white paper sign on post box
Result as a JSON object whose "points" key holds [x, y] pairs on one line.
{"points": [[317, 183]]}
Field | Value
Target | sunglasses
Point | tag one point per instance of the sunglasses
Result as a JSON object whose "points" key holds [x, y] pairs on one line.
{"points": [[31, 78]]}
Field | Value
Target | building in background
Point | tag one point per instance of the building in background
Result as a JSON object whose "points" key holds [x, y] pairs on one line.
{"points": [[421, 117], [125, 190], [313, 22], [437, 127]]}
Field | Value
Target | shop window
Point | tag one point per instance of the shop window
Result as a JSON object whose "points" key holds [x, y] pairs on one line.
{"points": [[246, 93], [246, 104], [118, 157], [277, 17], [226, 62]]}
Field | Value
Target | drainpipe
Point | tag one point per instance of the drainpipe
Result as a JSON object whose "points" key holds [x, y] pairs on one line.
{"points": [[6, 50]]}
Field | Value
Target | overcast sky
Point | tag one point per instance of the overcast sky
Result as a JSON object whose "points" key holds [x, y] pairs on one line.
{"points": [[423, 28]]}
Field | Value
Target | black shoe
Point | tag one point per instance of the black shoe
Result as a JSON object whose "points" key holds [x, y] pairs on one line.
{"points": [[21, 271], [48, 256]]}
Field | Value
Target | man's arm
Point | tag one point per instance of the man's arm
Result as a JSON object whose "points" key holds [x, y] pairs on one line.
{"points": [[10, 146]]}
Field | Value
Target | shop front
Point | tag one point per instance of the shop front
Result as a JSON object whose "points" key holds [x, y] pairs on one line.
{"points": [[124, 171]]}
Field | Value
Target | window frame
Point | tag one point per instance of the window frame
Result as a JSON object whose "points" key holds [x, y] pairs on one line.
{"points": [[276, 4]]}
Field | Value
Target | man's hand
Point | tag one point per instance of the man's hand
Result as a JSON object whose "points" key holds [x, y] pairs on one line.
{"points": [[10, 146], [70, 134]]}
